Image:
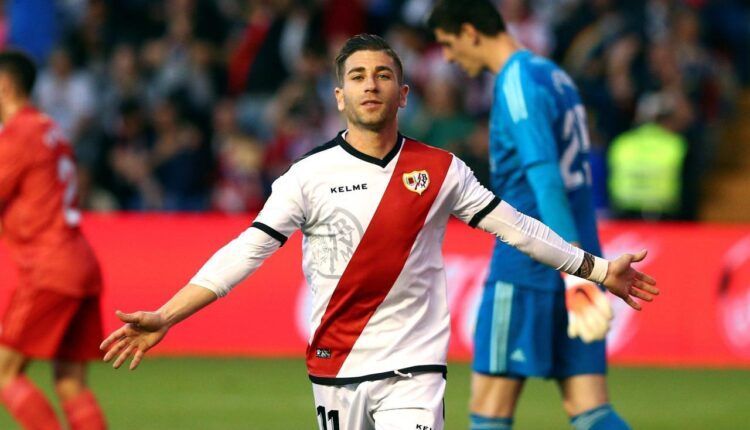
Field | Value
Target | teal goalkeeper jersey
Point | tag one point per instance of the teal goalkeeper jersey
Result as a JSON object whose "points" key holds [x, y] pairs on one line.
{"points": [[539, 149]]}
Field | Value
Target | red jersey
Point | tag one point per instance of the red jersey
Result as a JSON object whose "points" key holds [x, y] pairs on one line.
{"points": [[38, 207]]}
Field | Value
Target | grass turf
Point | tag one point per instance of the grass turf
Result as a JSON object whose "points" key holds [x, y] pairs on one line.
{"points": [[270, 394]]}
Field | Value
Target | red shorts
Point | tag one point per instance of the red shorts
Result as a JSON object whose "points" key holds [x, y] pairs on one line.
{"points": [[50, 325]]}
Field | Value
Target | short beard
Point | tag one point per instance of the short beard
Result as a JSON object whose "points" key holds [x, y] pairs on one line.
{"points": [[374, 126]]}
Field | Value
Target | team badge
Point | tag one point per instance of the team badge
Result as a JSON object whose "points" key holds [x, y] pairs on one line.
{"points": [[417, 181]]}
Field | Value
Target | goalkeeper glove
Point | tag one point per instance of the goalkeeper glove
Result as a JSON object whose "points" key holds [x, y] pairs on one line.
{"points": [[589, 311]]}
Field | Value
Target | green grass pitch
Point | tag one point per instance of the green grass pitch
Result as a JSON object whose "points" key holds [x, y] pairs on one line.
{"points": [[271, 394]]}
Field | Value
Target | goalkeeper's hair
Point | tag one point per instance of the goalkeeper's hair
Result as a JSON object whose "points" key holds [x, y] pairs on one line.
{"points": [[450, 15], [21, 70]]}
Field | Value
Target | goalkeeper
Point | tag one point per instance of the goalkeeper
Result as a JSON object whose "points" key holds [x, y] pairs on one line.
{"points": [[539, 147]]}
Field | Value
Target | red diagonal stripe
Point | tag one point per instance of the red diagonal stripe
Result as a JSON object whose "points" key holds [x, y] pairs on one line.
{"points": [[379, 257]]}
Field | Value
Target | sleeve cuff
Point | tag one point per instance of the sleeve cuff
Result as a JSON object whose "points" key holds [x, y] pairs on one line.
{"points": [[202, 282]]}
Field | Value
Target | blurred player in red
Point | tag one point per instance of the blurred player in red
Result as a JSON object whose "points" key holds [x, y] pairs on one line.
{"points": [[54, 313]]}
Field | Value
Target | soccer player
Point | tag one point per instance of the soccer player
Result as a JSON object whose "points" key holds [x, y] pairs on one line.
{"points": [[54, 313], [538, 162], [373, 207]]}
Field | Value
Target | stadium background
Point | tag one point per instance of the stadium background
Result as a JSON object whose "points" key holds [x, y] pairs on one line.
{"points": [[196, 106]]}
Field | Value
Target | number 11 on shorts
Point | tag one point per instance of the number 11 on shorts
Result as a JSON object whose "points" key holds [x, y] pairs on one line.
{"points": [[323, 419]]}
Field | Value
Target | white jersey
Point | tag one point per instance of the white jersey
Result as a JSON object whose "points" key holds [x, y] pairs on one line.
{"points": [[372, 253]]}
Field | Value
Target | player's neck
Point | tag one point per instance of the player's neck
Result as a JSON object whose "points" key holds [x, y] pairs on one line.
{"points": [[499, 50], [10, 108], [373, 143]]}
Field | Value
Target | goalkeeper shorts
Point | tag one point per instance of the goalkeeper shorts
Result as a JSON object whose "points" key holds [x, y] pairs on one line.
{"points": [[522, 332], [411, 401]]}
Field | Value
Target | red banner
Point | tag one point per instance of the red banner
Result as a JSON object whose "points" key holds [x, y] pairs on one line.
{"points": [[701, 318]]}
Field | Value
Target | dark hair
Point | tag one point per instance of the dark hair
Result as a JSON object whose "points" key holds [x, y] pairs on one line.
{"points": [[366, 42], [450, 15], [20, 68]]}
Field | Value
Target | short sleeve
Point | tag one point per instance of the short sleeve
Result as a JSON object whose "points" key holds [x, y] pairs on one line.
{"points": [[284, 211], [472, 200], [531, 111]]}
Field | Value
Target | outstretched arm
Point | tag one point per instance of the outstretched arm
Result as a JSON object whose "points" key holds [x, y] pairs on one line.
{"points": [[143, 330], [544, 245], [225, 269], [281, 216]]}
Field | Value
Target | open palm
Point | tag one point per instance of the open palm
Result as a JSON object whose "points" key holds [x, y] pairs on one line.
{"points": [[626, 282], [142, 330]]}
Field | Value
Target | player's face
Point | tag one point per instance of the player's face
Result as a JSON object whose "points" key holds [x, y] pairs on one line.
{"points": [[461, 49], [370, 93]]}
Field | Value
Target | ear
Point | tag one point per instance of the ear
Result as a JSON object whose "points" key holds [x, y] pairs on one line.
{"points": [[339, 93], [469, 31], [403, 93]]}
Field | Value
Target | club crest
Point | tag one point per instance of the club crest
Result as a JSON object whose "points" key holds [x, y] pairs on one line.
{"points": [[417, 181]]}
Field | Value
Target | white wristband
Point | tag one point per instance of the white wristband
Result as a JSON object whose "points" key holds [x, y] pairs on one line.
{"points": [[599, 271]]}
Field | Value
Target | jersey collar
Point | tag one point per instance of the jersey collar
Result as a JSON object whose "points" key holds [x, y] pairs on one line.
{"points": [[368, 158], [513, 58]]}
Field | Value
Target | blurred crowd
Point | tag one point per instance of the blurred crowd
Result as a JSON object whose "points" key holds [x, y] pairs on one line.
{"points": [[194, 105]]}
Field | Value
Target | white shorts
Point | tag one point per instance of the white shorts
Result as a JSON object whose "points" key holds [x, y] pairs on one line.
{"points": [[398, 403]]}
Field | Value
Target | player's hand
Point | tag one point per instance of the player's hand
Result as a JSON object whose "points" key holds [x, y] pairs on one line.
{"points": [[589, 311], [626, 282], [142, 330]]}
